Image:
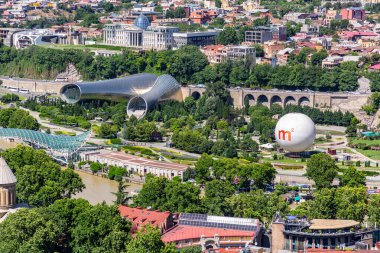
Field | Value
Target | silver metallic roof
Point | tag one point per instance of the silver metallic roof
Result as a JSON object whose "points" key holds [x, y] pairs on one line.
{"points": [[6, 174]]}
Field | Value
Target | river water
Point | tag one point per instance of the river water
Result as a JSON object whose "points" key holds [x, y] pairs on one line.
{"points": [[99, 189]]}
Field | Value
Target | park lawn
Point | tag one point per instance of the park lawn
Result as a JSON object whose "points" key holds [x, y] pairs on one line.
{"points": [[61, 132], [374, 154], [368, 142], [331, 132], [285, 160]]}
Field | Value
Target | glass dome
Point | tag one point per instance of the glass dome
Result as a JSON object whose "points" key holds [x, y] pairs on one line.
{"points": [[142, 21]]}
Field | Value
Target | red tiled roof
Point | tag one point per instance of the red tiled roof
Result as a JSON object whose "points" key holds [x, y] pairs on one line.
{"points": [[181, 232], [141, 217], [351, 34], [376, 66]]}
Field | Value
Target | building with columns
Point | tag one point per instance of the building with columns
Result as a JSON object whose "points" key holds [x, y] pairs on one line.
{"points": [[122, 35], [7, 186]]}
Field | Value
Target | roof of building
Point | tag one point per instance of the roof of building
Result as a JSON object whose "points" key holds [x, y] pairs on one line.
{"points": [[125, 158], [375, 66], [59, 143], [332, 224], [140, 216], [142, 21], [6, 174], [184, 232]]}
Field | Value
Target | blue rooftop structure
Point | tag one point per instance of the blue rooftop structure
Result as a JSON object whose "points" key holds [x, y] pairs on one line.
{"points": [[142, 21], [62, 146]]}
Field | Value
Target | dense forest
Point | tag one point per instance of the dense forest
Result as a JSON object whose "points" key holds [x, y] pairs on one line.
{"points": [[188, 65]]}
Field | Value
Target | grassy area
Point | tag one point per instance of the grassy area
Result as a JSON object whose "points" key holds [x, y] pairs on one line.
{"points": [[331, 132], [284, 160], [367, 142], [136, 150], [366, 172], [374, 154], [65, 133]]}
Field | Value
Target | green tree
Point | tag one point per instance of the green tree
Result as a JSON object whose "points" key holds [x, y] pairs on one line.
{"points": [[148, 239], [202, 168], [350, 203], [153, 192], [321, 168], [257, 204], [181, 197], [29, 230], [40, 181], [100, 229], [352, 177], [373, 209], [318, 57], [216, 194], [122, 197], [227, 36], [187, 61]]}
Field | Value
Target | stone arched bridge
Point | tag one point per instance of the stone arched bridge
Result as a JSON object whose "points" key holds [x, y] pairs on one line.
{"points": [[240, 97]]}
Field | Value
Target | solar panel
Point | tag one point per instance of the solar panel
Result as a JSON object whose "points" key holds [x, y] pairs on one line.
{"points": [[218, 225]]}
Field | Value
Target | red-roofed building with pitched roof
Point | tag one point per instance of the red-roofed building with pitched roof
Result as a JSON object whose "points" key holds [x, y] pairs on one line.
{"points": [[213, 232], [141, 217]]}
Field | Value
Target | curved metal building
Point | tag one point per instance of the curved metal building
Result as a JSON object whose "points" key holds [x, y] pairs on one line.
{"points": [[143, 90]]}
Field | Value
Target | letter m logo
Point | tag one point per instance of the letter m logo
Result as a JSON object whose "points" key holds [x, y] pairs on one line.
{"points": [[283, 135]]}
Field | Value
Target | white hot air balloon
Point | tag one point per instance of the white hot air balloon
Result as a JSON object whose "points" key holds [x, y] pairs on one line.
{"points": [[295, 132]]}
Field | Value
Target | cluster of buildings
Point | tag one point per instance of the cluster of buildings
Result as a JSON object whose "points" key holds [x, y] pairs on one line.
{"points": [[142, 27], [231, 234], [143, 35]]}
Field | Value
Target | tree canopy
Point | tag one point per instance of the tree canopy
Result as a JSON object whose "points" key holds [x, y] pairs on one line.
{"points": [[321, 168]]}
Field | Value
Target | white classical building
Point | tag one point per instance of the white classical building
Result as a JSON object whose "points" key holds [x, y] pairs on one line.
{"points": [[135, 164], [122, 35]]}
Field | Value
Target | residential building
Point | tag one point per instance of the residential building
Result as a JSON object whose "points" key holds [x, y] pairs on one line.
{"points": [[283, 56], [296, 17], [140, 217], [279, 33], [203, 16], [331, 15], [241, 53], [271, 48], [259, 35], [214, 53], [194, 38], [310, 29], [213, 232], [220, 53], [352, 13], [336, 60], [299, 234], [136, 165], [159, 37], [122, 35], [6, 35], [367, 42]]}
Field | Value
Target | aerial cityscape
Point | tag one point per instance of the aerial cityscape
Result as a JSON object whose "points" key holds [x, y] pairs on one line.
{"points": [[197, 126]]}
